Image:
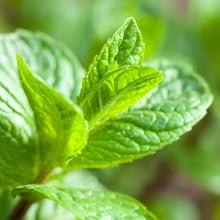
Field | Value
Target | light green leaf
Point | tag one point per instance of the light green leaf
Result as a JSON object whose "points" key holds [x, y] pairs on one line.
{"points": [[124, 48], [18, 141], [157, 120], [117, 91], [91, 204], [61, 127], [47, 209], [54, 63]]}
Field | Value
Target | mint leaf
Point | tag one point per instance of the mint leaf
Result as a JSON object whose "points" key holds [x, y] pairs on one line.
{"points": [[60, 124], [124, 48], [90, 204], [117, 91], [46, 57], [18, 140], [158, 119], [47, 209]]}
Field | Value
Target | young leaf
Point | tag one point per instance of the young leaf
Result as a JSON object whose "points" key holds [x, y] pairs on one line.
{"points": [[18, 141], [124, 48], [90, 204], [157, 120], [60, 124], [117, 91]]}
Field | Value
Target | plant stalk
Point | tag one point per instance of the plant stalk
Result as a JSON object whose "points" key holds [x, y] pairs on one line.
{"points": [[20, 209]]}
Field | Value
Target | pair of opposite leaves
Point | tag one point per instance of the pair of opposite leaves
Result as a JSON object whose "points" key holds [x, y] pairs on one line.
{"points": [[40, 129]]}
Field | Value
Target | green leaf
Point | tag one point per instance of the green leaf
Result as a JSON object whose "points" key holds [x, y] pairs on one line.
{"points": [[46, 57], [47, 209], [61, 127], [117, 91], [124, 48], [158, 119], [90, 204], [18, 140]]}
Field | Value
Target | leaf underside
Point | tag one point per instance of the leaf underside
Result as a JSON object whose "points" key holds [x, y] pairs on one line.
{"points": [[18, 139]]}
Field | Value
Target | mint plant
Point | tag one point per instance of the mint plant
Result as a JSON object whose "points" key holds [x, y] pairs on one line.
{"points": [[121, 110]]}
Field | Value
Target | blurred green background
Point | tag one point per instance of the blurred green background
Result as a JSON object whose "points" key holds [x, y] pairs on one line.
{"points": [[183, 180]]}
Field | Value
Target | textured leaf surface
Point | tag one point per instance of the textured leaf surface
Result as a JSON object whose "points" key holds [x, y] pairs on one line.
{"points": [[18, 141], [118, 91], [124, 48], [60, 124], [157, 120], [48, 209], [91, 204]]}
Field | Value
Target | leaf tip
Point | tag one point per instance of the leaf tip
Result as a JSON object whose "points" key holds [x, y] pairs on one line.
{"points": [[20, 64], [131, 21]]}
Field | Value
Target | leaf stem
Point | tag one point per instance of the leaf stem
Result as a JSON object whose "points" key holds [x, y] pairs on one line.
{"points": [[19, 211]]}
